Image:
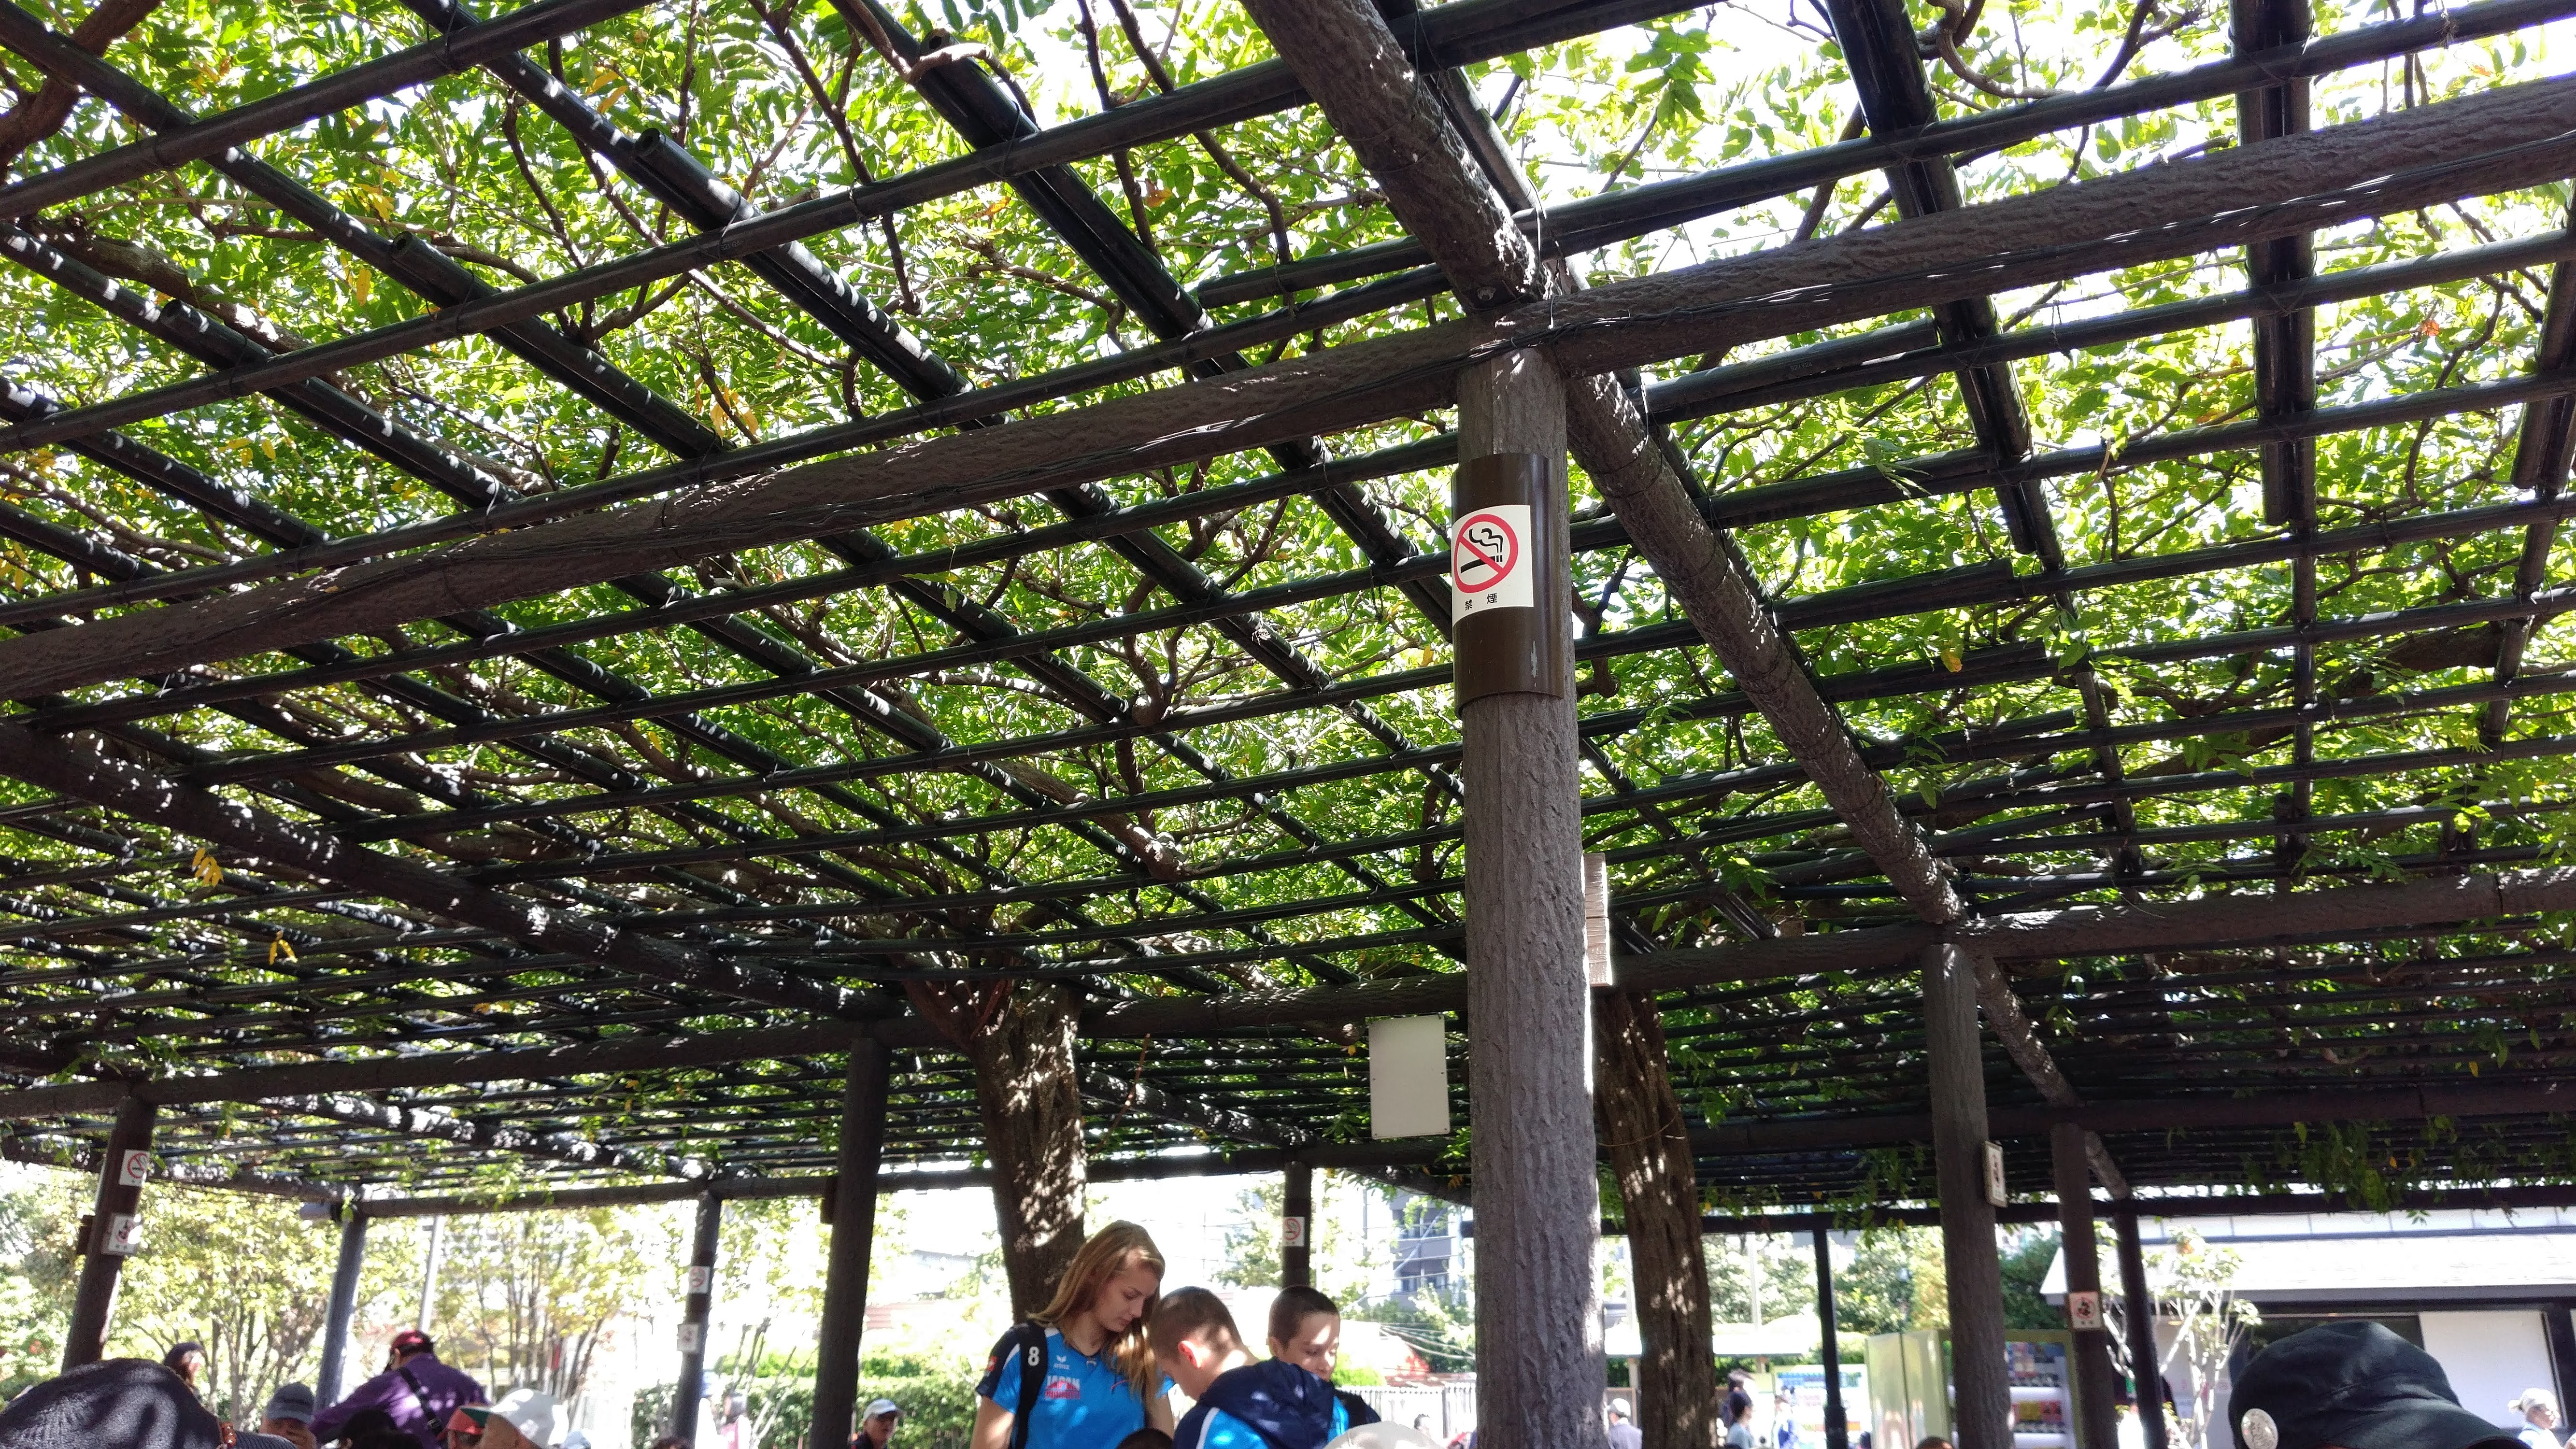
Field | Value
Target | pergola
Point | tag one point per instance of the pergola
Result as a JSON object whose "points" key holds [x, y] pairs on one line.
{"points": [[692, 688]]}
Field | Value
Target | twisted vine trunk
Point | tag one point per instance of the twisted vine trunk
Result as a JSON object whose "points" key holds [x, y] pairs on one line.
{"points": [[1640, 1121], [1020, 1039]]}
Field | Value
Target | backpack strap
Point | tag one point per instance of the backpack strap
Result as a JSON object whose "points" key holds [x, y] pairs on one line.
{"points": [[1027, 1342], [420, 1395]]}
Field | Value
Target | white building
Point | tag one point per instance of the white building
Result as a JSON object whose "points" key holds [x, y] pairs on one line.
{"points": [[2488, 1294]]}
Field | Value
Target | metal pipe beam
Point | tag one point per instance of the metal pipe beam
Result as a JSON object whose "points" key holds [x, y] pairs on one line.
{"points": [[342, 1310]]}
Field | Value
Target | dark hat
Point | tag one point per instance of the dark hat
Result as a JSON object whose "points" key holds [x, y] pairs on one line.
{"points": [[412, 1340], [292, 1402], [2353, 1385], [131, 1403]]}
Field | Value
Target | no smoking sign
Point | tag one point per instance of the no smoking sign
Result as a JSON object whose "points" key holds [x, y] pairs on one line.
{"points": [[1488, 568]]}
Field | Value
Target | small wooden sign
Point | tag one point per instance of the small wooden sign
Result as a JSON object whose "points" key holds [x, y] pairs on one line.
{"points": [[123, 1236]]}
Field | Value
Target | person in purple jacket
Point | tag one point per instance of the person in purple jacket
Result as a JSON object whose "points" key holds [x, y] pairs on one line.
{"points": [[415, 1390]]}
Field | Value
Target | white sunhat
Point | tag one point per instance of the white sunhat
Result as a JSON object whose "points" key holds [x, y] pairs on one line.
{"points": [[2534, 1399], [1383, 1436], [531, 1413]]}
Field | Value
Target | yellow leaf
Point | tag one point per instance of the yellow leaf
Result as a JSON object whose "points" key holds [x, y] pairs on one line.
{"points": [[280, 947], [362, 284], [1951, 659]]}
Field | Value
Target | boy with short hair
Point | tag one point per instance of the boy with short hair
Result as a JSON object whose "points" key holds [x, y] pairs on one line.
{"points": [[1281, 1403]]}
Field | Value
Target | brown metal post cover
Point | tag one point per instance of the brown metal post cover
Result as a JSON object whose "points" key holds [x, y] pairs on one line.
{"points": [[1507, 579]]}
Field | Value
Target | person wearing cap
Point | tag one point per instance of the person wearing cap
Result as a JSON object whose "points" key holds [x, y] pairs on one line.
{"points": [[464, 1431], [877, 1423], [416, 1391], [289, 1415], [2539, 1411], [2353, 1385], [524, 1419]]}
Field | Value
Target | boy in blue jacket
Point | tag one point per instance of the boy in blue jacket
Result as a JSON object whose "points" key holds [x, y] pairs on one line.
{"points": [[1286, 1402]]}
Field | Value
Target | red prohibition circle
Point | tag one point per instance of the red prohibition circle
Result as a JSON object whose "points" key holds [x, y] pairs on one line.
{"points": [[1464, 554]]}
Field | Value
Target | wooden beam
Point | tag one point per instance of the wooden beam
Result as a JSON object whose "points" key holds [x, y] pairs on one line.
{"points": [[241, 830], [1348, 1156], [2497, 140], [285, 110], [2079, 931], [2195, 1113], [638, 1053], [2175, 1208]]}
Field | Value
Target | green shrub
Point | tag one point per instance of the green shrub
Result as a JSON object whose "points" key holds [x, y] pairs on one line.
{"points": [[938, 1403]]}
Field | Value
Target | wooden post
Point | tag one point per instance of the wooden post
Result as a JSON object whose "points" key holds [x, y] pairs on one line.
{"points": [[1837, 1424], [854, 1217], [2097, 1424], [1538, 1202], [2145, 1359], [344, 1304], [1983, 1393], [1297, 1226], [695, 1312], [112, 1230]]}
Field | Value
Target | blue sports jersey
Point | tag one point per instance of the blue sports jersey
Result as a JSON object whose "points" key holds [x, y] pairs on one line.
{"points": [[1221, 1430], [1086, 1402], [1268, 1405]]}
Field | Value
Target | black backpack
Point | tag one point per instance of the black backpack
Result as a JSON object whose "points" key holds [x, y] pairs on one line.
{"points": [[1027, 1344]]}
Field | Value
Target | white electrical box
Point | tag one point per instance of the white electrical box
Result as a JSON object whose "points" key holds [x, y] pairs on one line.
{"points": [[1409, 1076]]}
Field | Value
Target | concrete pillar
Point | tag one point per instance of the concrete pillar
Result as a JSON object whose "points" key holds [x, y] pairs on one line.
{"points": [[1837, 1426], [854, 1216], [1538, 1202], [1982, 1389], [2097, 1422], [1297, 1219], [115, 1216], [694, 1314], [343, 1308]]}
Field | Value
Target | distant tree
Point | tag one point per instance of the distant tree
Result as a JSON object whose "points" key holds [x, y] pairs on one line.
{"points": [[1343, 1262], [242, 1274], [2025, 1265], [529, 1294], [1896, 1280], [1783, 1267]]}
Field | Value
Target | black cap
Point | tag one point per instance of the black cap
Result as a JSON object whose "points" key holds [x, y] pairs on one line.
{"points": [[2352, 1385]]}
